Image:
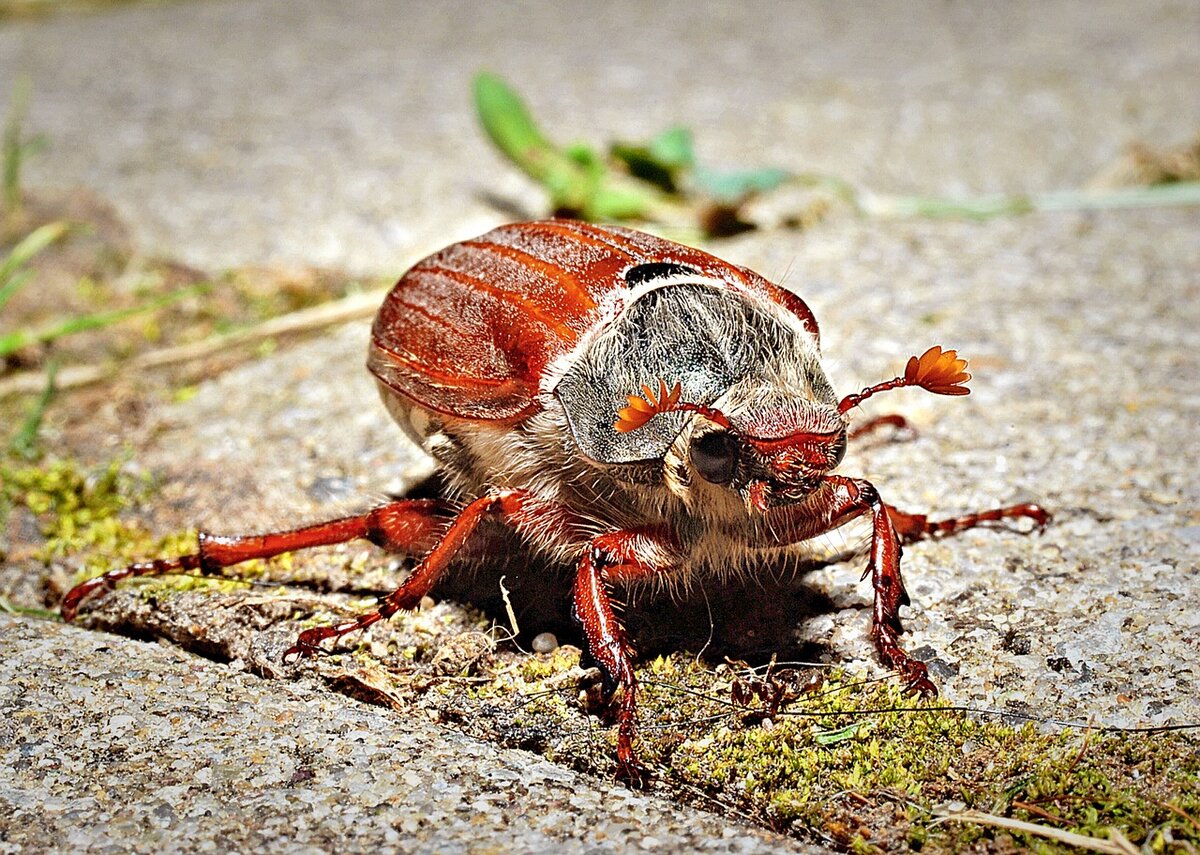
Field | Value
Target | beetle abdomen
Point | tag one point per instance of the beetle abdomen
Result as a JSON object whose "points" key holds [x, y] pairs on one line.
{"points": [[468, 331]]}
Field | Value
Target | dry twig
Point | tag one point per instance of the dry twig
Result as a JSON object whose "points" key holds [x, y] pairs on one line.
{"points": [[305, 320]]}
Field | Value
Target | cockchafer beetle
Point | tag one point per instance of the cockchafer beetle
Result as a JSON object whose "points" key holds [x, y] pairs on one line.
{"points": [[638, 409]]}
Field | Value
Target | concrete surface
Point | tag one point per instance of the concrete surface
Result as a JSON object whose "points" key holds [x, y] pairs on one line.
{"points": [[321, 772], [341, 134]]}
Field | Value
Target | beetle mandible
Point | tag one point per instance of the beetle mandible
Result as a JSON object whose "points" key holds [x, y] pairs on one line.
{"points": [[635, 408]]}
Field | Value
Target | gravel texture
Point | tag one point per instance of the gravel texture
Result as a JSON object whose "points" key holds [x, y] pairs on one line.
{"points": [[111, 745], [340, 134]]}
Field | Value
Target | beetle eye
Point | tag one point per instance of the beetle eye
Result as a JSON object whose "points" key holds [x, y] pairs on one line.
{"points": [[715, 456]]}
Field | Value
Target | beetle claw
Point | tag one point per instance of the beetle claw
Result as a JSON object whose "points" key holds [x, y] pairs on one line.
{"points": [[633, 773], [916, 680], [300, 650], [308, 643]]}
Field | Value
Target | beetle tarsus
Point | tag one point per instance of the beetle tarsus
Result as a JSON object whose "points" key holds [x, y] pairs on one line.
{"points": [[106, 582], [308, 643], [632, 771], [914, 527]]}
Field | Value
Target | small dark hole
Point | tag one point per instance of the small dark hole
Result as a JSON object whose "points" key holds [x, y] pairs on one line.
{"points": [[655, 270]]}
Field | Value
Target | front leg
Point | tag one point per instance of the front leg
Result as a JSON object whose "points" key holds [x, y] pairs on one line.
{"points": [[914, 527], [838, 501], [616, 557]]}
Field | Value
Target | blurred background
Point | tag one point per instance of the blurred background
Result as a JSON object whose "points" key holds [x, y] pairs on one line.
{"points": [[343, 134]]}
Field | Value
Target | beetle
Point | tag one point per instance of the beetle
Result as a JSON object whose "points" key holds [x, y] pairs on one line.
{"points": [[637, 409]]}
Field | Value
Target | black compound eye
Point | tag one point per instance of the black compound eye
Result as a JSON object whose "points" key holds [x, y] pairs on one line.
{"points": [[715, 456]]}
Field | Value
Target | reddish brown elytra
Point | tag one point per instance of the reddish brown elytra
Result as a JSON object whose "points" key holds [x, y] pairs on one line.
{"points": [[634, 408]]}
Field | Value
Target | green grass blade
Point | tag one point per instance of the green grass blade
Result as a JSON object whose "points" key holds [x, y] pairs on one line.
{"points": [[12, 278], [1179, 194], [82, 323], [13, 285], [833, 737], [1176, 194], [24, 443], [13, 149], [28, 611]]}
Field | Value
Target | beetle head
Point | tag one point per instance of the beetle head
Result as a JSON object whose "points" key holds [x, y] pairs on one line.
{"points": [[766, 447], [772, 448], [765, 473]]}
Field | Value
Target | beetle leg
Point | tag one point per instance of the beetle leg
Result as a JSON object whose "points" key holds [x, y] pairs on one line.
{"points": [[913, 527], [516, 507], [617, 557], [872, 425], [407, 525], [843, 499], [883, 566]]}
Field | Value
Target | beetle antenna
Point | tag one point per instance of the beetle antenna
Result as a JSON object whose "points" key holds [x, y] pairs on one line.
{"points": [[642, 408], [936, 370]]}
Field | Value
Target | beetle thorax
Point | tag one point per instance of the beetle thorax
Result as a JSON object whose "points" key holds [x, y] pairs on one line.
{"points": [[728, 349]]}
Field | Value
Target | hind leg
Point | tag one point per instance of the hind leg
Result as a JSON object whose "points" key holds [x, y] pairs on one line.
{"points": [[408, 526], [515, 508]]}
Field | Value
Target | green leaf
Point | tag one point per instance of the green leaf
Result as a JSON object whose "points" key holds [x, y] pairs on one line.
{"points": [[661, 161], [510, 126], [579, 180], [621, 202], [673, 148]]}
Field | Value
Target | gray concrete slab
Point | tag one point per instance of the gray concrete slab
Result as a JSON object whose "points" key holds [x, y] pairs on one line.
{"points": [[112, 745], [341, 134]]}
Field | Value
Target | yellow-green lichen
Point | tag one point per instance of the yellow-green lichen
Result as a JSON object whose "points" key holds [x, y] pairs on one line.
{"points": [[74, 505], [78, 511], [933, 757]]}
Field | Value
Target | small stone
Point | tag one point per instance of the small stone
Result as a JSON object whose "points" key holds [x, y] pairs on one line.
{"points": [[545, 642], [427, 602]]}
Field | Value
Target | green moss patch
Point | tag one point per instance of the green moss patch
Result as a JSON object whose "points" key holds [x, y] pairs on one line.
{"points": [[78, 513], [853, 764]]}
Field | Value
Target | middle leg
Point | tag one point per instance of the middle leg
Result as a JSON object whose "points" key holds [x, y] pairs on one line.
{"points": [[617, 557], [515, 507]]}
